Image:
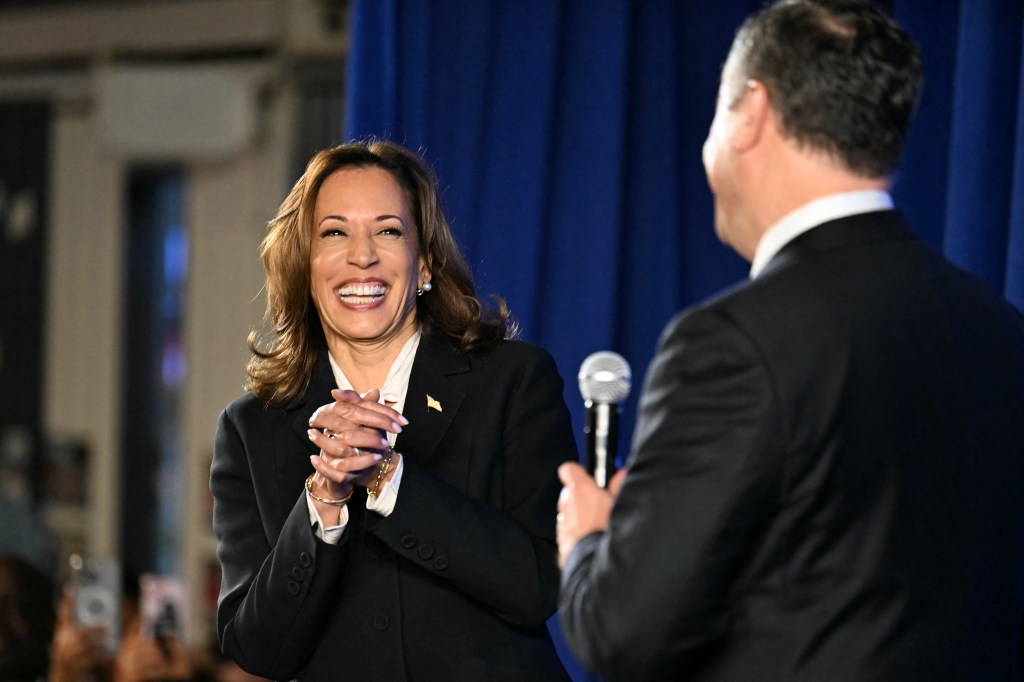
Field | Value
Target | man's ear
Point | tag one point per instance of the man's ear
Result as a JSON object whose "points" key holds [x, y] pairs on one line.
{"points": [[753, 112]]}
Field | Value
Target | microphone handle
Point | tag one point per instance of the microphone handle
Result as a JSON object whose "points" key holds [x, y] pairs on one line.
{"points": [[602, 430]]}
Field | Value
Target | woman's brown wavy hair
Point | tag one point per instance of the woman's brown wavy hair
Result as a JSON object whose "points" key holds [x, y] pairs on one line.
{"points": [[281, 372]]}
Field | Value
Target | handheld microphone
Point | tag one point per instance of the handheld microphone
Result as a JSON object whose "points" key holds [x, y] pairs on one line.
{"points": [[605, 380]]}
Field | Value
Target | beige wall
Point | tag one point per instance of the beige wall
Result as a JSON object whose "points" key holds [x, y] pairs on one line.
{"points": [[230, 196]]}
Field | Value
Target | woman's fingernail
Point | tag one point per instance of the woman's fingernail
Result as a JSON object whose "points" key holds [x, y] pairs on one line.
{"points": [[377, 457], [385, 443], [403, 420], [312, 433], [395, 427], [314, 459]]}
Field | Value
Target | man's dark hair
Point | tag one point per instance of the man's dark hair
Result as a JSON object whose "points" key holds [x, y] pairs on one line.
{"points": [[842, 75]]}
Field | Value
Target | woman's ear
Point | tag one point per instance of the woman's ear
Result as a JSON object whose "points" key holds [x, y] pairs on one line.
{"points": [[425, 275]]}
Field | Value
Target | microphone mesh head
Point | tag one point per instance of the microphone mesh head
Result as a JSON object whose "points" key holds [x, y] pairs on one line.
{"points": [[605, 377]]}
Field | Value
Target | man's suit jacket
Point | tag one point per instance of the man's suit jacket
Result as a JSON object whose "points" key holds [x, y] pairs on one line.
{"points": [[456, 583], [827, 480]]}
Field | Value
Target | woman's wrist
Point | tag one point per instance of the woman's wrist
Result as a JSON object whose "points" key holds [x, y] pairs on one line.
{"points": [[385, 472], [335, 494]]}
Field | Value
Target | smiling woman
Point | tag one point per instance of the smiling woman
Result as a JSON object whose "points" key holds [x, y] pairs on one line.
{"points": [[277, 375], [392, 472], [365, 269]]}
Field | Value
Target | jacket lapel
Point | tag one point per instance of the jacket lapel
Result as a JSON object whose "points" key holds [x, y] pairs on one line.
{"points": [[292, 446], [321, 383], [433, 398], [431, 403]]}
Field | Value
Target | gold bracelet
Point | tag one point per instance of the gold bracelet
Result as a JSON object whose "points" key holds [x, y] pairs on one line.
{"points": [[385, 466], [325, 500]]}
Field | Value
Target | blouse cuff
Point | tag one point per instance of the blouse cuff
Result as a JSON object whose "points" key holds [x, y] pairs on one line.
{"points": [[384, 503], [331, 534]]}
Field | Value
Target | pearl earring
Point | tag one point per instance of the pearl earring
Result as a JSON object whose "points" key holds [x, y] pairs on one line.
{"points": [[427, 286]]}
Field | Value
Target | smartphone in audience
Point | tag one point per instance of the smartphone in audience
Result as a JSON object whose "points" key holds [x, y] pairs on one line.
{"points": [[97, 586], [162, 607]]}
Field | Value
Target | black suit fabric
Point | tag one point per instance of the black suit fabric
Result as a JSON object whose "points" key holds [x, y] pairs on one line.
{"points": [[827, 480], [457, 583]]}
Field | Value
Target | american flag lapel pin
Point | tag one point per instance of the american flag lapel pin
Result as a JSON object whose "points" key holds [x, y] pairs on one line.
{"points": [[433, 404]]}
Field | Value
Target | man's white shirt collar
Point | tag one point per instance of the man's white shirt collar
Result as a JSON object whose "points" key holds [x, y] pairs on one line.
{"points": [[812, 214]]}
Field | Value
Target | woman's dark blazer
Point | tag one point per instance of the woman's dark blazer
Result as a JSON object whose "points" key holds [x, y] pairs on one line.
{"points": [[455, 584]]}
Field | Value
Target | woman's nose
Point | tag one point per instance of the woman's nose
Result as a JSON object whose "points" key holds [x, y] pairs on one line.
{"points": [[362, 251]]}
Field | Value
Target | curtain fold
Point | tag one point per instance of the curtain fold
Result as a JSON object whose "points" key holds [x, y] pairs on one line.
{"points": [[981, 143], [567, 136], [1013, 288]]}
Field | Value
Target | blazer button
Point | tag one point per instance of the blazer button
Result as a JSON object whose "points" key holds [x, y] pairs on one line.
{"points": [[305, 560], [293, 588], [425, 552], [409, 541], [441, 562], [380, 622], [298, 574]]}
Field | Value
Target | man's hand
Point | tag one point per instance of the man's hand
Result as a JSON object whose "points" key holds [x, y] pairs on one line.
{"points": [[583, 507]]}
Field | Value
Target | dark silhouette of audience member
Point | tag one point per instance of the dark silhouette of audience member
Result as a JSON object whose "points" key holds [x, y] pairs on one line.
{"points": [[26, 620]]}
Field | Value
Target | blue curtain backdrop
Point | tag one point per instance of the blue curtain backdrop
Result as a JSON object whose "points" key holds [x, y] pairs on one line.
{"points": [[567, 136]]}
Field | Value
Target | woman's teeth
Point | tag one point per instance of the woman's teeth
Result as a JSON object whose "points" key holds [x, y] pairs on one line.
{"points": [[362, 293]]}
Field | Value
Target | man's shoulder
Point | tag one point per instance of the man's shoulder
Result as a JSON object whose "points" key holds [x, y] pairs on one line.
{"points": [[735, 301], [785, 302]]}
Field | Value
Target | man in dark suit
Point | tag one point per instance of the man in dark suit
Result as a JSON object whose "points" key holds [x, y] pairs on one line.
{"points": [[827, 477]]}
